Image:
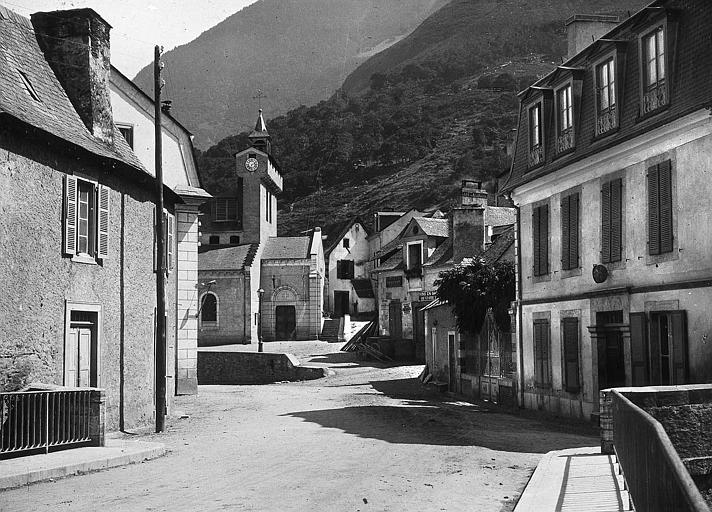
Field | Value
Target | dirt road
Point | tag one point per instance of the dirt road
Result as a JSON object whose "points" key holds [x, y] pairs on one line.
{"points": [[369, 438]]}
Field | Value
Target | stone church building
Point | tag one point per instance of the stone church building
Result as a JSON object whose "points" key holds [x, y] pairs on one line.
{"points": [[245, 269]]}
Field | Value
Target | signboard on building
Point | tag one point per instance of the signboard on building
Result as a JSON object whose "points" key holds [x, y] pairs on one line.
{"points": [[429, 295]]}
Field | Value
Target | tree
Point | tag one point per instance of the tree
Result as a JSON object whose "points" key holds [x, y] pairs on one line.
{"points": [[472, 288]]}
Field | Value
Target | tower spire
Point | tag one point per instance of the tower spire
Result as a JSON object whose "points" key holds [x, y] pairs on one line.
{"points": [[259, 137]]}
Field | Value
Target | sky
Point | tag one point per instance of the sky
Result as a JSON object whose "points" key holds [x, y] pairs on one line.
{"points": [[139, 25]]}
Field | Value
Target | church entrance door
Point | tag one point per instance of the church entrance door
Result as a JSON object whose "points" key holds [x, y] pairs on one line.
{"points": [[286, 323], [341, 303]]}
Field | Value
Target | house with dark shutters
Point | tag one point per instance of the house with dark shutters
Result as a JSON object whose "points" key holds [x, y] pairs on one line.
{"points": [[77, 224], [611, 177]]}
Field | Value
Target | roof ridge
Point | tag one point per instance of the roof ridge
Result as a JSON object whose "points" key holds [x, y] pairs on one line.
{"points": [[7, 14]]}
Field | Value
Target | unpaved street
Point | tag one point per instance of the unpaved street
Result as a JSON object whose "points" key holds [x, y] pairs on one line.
{"points": [[367, 439]]}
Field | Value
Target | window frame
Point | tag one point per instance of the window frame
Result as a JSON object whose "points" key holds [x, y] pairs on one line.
{"points": [[655, 96], [608, 119], [408, 265], [98, 219], [218, 207], [209, 324], [347, 273], [565, 135], [536, 152], [129, 129]]}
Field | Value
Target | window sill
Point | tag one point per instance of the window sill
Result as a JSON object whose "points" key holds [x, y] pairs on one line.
{"points": [[614, 265], [542, 278], [571, 272], [654, 259], [209, 327], [84, 258], [562, 154]]}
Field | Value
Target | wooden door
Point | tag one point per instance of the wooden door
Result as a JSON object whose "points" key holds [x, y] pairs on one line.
{"points": [[341, 303], [285, 323], [611, 363], [395, 320], [77, 370]]}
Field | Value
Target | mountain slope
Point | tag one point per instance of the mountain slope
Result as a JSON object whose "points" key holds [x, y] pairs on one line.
{"points": [[466, 34], [296, 51]]}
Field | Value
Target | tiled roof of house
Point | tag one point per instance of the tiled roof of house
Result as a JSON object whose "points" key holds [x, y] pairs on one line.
{"points": [[434, 227], [286, 248], [499, 247], [500, 216], [52, 112], [363, 288], [441, 255], [233, 257], [395, 262]]}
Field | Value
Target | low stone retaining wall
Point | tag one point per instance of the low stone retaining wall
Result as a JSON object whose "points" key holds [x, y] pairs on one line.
{"points": [[252, 368]]}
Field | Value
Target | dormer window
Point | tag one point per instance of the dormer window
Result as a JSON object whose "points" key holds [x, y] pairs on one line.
{"points": [[565, 119], [606, 104], [655, 90], [536, 136]]}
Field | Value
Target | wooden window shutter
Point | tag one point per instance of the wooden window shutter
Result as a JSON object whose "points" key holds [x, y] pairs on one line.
{"points": [[573, 231], [653, 211], [616, 229], [638, 349], [606, 222], [70, 214], [665, 205], [654, 351], [544, 242], [546, 360], [679, 347], [103, 222], [538, 359], [570, 331], [536, 239], [565, 232]]}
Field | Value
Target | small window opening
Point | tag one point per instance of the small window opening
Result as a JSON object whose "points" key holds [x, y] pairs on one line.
{"points": [[214, 240]]}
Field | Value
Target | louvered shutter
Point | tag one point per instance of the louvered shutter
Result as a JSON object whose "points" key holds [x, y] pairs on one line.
{"points": [[103, 222], [665, 205], [679, 347], [546, 362], [654, 351], [70, 215], [653, 211], [565, 232], [538, 360], [536, 241], [638, 349], [570, 331], [606, 222], [616, 226], [573, 231], [544, 242]]}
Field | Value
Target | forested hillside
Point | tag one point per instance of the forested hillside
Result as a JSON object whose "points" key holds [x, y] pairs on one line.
{"points": [[438, 113]]}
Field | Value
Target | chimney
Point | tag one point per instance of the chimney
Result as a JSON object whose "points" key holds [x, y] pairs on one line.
{"points": [[76, 45], [468, 222], [583, 29]]}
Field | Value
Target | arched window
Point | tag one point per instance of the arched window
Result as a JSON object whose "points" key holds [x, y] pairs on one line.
{"points": [[209, 310], [235, 240]]}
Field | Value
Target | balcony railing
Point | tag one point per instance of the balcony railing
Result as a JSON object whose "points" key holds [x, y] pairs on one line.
{"points": [[655, 98], [536, 156], [36, 421], [606, 121], [655, 475], [565, 141]]}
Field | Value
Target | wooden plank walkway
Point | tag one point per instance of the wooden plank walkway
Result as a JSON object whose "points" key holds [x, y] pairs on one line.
{"points": [[575, 480]]}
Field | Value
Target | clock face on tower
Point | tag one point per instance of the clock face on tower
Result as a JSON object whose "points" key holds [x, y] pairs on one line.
{"points": [[251, 164]]}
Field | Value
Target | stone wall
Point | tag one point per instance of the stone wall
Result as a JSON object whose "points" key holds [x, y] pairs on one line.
{"points": [[233, 368]]}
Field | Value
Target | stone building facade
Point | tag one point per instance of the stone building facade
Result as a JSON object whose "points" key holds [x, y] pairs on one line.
{"points": [[79, 284]]}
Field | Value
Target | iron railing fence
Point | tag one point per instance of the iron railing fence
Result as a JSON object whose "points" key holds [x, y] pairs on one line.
{"points": [[32, 421], [654, 473]]}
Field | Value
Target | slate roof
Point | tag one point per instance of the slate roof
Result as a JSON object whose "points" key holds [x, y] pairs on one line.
{"points": [[363, 288], [499, 247], [500, 216], [286, 248], [441, 255], [434, 226], [395, 262], [233, 257], [53, 113], [689, 91]]}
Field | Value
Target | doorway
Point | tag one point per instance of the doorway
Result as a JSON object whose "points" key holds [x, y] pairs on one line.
{"points": [[285, 323], [611, 357], [341, 303], [395, 320], [80, 363]]}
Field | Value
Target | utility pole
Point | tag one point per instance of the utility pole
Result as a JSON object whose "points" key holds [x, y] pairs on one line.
{"points": [[160, 254]]}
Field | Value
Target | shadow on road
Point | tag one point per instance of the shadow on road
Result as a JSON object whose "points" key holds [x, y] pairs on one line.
{"points": [[403, 411]]}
